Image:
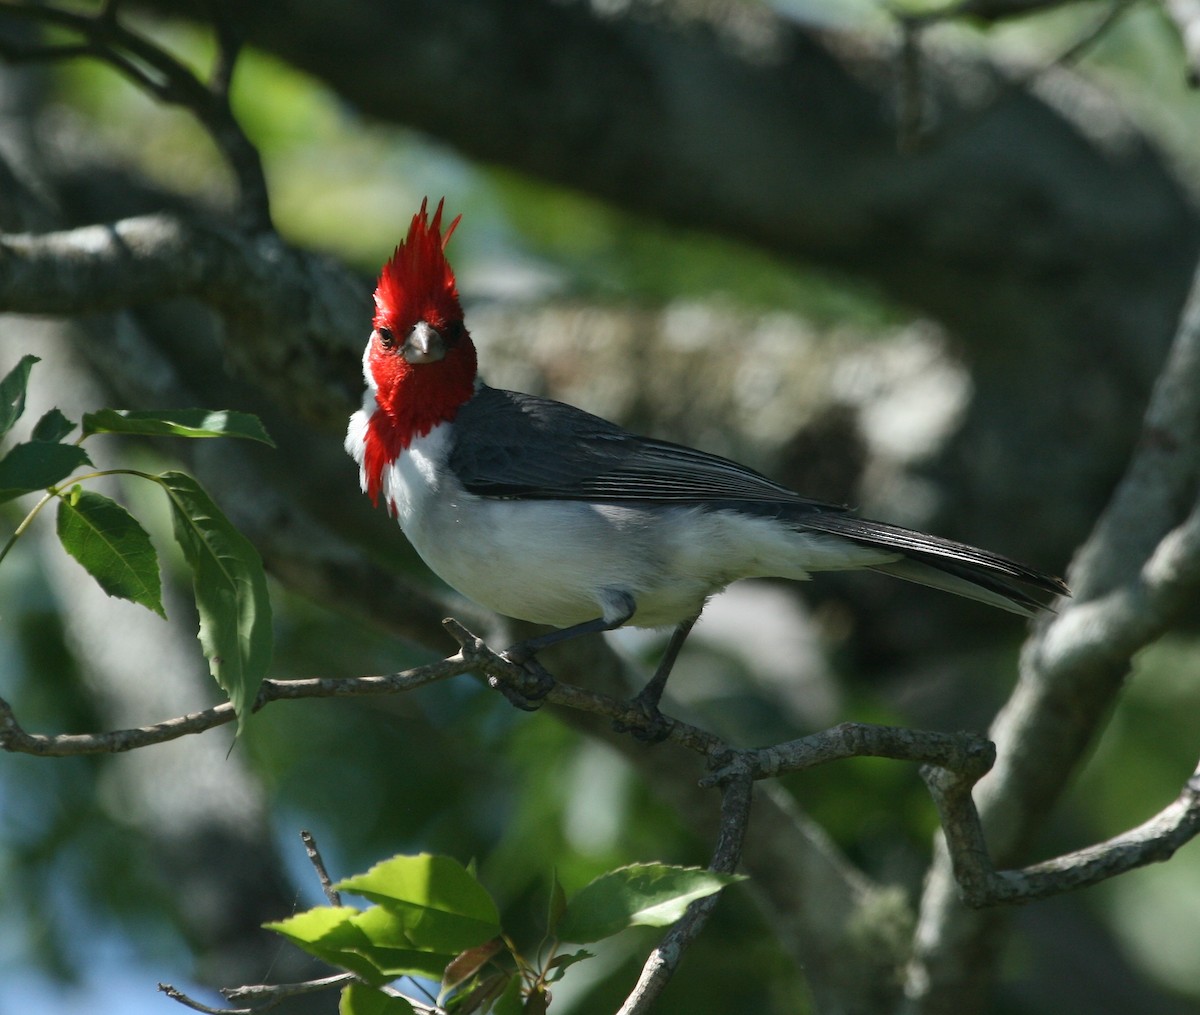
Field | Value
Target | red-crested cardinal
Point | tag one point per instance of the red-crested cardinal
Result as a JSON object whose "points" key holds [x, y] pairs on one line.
{"points": [[544, 512]]}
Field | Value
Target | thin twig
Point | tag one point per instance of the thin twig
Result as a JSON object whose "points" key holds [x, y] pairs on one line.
{"points": [[265, 995], [157, 72], [475, 656], [661, 964], [914, 131], [175, 994], [15, 739], [274, 993], [314, 857]]}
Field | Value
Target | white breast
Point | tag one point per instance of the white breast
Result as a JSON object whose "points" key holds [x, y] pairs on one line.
{"points": [[559, 562]]}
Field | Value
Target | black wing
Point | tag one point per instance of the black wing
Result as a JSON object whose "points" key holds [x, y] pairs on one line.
{"points": [[524, 447]]}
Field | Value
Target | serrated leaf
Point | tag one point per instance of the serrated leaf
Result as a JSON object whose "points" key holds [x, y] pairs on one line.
{"points": [[37, 465], [560, 963], [443, 907], [359, 999], [393, 947], [12, 392], [651, 894], [230, 588], [313, 925], [178, 423], [329, 933], [112, 547], [52, 427], [372, 943]]}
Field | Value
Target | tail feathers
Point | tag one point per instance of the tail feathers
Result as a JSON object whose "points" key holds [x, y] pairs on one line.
{"points": [[947, 565], [980, 586]]}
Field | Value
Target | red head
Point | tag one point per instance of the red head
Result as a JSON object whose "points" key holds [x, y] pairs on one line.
{"points": [[420, 356]]}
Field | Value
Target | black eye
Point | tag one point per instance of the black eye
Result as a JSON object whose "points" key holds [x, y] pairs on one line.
{"points": [[386, 338]]}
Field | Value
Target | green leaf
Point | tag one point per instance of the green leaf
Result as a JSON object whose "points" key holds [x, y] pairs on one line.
{"points": [[112, 547], [480, 996], [313, 925], [359, 999], [52, 427], [37, 465], [329, 933], [510, 1003], [442, 906], [392, 949], [12, 393], [560, 963], [372, 943], [230, 589], [558, 905], [650, 894], [177, 423]]}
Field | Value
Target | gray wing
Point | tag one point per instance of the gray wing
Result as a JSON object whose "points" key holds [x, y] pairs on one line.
{"points": [[524, 447]]}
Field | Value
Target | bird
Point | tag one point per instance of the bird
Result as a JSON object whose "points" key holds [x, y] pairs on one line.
{"points": [[543, 512]]}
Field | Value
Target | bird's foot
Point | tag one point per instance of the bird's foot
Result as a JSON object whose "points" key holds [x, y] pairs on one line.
{"points": [[528, 686], [651, 726]]}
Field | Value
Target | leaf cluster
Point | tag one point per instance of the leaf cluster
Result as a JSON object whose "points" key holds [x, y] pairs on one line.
{"points": [[431, 918], [112, 546]]}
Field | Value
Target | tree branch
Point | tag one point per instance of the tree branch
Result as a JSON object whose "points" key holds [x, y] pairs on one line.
{"points": [[963, 752], [954, 763], [912, 98], [154, 70], [1133, 578], [661, 964], [294, 316], [981, 884], [15, 739], [314, 857], [270, 995]]}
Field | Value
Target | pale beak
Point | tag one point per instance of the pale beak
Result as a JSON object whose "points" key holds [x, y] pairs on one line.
{"points": [[424, 345]]}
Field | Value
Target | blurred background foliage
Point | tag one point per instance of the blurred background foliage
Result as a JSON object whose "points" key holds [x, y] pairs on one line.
{"points": [[91, 918]]}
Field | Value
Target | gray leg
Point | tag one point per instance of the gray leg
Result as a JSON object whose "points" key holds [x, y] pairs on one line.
{"points": [[523, 652], [648, 697]]}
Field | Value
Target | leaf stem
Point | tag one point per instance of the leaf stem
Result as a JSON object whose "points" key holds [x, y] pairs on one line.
{"points": [[56, 491], [26, 522]]}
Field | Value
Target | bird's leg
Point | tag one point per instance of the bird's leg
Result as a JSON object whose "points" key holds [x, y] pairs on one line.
{"points": [[619, 608], [646, 700]]}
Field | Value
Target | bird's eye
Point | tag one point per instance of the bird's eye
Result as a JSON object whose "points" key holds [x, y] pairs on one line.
{"points": [[386, 338]]}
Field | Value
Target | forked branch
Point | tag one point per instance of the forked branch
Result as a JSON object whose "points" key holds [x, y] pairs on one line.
{"points": [[103, 37], [952, 764]]}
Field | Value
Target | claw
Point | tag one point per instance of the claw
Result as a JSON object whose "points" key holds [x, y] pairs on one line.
{"points": [[655, 728], [527, 691]]}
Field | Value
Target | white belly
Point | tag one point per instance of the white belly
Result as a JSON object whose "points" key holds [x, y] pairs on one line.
{"points": [[550, 562], [560, 562]]}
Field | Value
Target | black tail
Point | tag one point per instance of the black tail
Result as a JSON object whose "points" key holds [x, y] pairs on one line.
{"points": [[945, 564]]}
